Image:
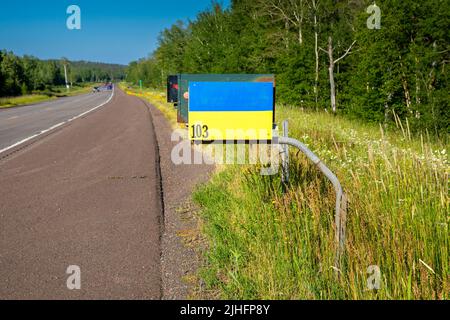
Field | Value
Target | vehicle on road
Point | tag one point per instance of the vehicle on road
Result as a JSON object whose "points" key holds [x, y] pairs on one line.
{"points": [[105, 87]]}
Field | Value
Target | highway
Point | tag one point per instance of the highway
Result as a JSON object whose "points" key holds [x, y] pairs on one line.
{"points": [[85, 194], [87, 181], [19, 123]]}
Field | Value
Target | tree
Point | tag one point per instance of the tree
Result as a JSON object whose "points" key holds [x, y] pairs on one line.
{"points": [[401, 68], [12, 70], [314, 6], [65, 63], [2, 80], [332, 63], [290, 12], [22, 75], [172, 43]]}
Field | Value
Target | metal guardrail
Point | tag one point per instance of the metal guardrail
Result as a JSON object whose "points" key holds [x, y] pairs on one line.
{"points": [[341, 198]]}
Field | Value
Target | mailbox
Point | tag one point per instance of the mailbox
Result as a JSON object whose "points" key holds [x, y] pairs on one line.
{"points": [[172, 89], [230, 111], [224, 107]]}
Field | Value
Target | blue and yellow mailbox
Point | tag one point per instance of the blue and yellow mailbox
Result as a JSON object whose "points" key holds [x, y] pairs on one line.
{"points": [[238, 111], [238, 107]]}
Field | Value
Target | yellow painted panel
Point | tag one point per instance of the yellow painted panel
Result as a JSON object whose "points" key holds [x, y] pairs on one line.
{"points": [[234, 125]]}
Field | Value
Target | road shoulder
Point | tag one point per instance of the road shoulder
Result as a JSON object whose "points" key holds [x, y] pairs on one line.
{"points": [[179, 261]]}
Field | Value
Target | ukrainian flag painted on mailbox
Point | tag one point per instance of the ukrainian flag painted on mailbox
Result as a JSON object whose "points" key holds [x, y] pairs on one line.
{"points": [[231, 110]]}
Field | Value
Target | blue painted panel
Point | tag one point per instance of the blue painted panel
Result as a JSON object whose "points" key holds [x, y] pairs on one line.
{"points": [[230, 96]]}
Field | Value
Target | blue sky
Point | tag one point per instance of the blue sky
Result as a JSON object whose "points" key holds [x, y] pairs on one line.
{"points": [[111, 31]]}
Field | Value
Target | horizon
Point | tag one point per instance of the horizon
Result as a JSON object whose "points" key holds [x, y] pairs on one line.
{"points": [[106, 34]]}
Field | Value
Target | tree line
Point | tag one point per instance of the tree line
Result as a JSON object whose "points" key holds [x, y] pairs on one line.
{"points": [[27, 74], [324, 53]]}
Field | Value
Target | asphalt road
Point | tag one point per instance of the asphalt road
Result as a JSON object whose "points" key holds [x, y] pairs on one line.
{"points": [[85, 194], [19, 123]]}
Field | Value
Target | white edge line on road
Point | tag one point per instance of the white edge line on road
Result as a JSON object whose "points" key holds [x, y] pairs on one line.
{"points": [[58, 125]]}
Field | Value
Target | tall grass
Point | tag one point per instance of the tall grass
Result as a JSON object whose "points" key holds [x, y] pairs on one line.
{"points": [[270, 244]]}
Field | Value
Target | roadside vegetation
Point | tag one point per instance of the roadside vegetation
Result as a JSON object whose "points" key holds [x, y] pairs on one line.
{"points": [[26, 80], [372, 102], [323, 54], [23, 100], [270, 242], [41, 96]]}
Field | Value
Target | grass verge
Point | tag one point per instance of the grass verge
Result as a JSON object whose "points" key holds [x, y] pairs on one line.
{"points": [[57, 92], [9, 102], [269, 243]]}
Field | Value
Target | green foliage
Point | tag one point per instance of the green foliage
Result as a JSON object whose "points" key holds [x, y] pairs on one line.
{"points": [[399, 69], [27, 74], [402, 66], [12, 72], [85, 71]]}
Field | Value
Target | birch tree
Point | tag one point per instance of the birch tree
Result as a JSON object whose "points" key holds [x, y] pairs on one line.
{"points": [[332, 63]]}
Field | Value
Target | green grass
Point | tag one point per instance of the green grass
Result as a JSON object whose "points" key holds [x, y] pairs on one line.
{"points": [[75, 90], [268, 244], [54, 93], [23, 100]]}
